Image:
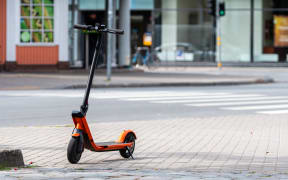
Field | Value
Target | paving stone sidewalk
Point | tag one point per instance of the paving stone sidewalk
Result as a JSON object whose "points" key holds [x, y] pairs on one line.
{"points": [[249, 146]]}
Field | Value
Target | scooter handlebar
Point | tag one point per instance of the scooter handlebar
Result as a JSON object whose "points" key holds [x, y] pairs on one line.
{"points": [[115, 31], [83, 27], [101, 28]]}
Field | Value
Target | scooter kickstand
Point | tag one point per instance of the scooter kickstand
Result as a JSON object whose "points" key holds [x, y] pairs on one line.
{"points": [[129, 152]]}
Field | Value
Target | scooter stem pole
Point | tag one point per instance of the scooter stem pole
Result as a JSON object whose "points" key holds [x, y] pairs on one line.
{"points": [[84, 107]]}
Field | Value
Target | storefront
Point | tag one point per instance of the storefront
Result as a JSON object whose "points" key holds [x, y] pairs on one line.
{"points": [[266, 41], [251, 31], [182, 32], [36, 35], [275, 29], [94, 11]]}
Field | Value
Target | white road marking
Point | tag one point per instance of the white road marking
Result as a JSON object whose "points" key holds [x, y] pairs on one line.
{"points": [[257, 107], [285, 111], [44, 94], [269, 101], [239, 98], [156, 96], [196, 96], [104, 95]]}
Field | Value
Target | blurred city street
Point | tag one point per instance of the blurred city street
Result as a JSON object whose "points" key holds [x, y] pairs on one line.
{"points": [[185, 132], [180, 89]]}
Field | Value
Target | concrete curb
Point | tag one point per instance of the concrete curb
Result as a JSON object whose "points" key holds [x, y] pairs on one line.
{"points": [[174, 84], [11, 158], [224, 64]]}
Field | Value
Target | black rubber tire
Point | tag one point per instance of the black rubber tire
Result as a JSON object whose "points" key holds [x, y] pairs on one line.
{"points": [[73, 152], [129, 138]]}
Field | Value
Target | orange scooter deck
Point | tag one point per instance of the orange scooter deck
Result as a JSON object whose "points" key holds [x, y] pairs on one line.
{"points": [[81, 124]]}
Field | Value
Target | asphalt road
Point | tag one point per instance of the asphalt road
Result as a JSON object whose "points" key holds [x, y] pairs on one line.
{"points": [[54, 107]]}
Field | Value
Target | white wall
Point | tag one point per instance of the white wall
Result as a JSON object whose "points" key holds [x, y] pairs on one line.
{"points": [[235, 31], [62, 28], [169, 22], [13, 26], [258, 31]]}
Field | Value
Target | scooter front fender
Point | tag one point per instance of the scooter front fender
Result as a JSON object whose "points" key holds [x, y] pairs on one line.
{"points": [[79, 135]]}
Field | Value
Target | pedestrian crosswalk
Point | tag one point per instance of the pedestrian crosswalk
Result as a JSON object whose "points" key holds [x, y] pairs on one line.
{"points": [[257, 103], [227, 101]]}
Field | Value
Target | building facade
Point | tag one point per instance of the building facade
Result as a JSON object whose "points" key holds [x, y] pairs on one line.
{"points": [[34, 33], [39, 33]]}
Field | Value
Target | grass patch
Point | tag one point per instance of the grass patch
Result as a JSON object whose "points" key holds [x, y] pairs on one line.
{"points": [[69, 125], [61, 126], [30, 166], [267, 176], [3, 168], [80, 169]]}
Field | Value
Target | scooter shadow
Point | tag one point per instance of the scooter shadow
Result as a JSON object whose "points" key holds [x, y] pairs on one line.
{"points": [[118, 160]]}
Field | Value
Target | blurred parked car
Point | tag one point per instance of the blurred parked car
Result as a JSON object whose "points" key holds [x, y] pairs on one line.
{"points": [[181, 52]]}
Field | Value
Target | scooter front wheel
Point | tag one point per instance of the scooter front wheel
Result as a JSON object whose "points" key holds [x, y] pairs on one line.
{"points": [[75, 149], [128, 151]]}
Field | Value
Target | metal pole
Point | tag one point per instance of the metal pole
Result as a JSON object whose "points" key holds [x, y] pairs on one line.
{"points": [[72, 31], [220, 43], [124, 43], [218, 37], [114, 37], [153, 36], [252, 31], [87, 51], [110, 45]]}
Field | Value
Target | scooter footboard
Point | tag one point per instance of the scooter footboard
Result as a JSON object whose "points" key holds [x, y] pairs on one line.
{"points": [[104, 146], [81, 125]]}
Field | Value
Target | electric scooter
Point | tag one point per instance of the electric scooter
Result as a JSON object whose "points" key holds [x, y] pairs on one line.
{"points": [[81, 136]]}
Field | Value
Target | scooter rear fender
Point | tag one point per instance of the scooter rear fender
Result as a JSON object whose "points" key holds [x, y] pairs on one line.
{"points": [[123, 135]]}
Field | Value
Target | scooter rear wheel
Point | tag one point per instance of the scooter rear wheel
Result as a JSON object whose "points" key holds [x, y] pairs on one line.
{"points": [[125, 152], [74, 150]]}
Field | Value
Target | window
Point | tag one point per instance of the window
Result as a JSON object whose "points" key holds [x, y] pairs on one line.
{"points": [[37, 21]]}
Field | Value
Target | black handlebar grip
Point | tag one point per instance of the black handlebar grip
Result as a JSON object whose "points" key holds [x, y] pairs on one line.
{"points": [[116, 31], [78, 26], [97, 28]]}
